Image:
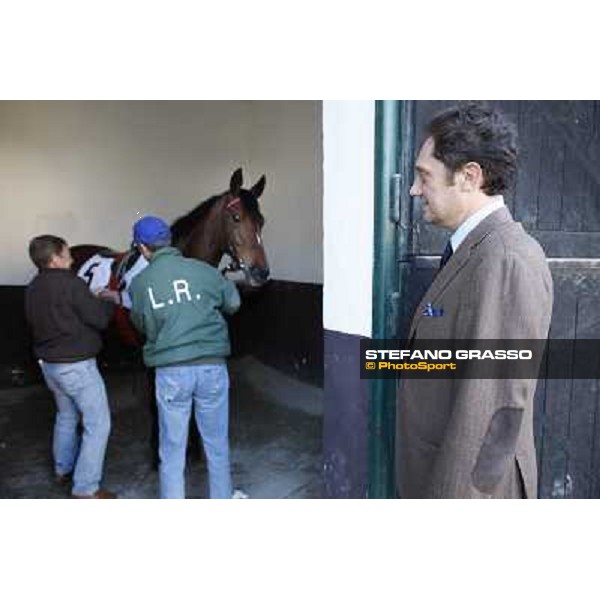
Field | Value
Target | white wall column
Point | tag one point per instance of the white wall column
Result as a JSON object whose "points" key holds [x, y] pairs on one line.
{"points": [[348, 215]]}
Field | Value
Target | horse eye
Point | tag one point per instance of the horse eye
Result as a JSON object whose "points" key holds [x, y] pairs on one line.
{"points": [[236, 217]]}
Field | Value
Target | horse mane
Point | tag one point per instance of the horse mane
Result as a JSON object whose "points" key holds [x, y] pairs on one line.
{"points": [[184, 225]]}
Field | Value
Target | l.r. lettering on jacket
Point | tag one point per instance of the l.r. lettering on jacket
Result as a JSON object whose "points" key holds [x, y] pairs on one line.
{"points": [[181, 288]]}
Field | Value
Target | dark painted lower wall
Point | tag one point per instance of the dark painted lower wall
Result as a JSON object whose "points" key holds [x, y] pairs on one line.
{"points": [[281, 325], [16, 362], [346, 418]]}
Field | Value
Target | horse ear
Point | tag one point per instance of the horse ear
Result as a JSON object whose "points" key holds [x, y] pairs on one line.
{"points": [[259, 187], [235, 183]]}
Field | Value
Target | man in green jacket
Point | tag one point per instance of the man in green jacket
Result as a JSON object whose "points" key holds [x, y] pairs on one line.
{"points": [[178, 304]]}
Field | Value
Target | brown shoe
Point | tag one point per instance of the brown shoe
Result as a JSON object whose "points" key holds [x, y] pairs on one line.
{"points": [[63, 479], [97, 495]]}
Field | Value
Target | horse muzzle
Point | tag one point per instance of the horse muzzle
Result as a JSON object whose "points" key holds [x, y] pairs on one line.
{"points": [[256, 276]]}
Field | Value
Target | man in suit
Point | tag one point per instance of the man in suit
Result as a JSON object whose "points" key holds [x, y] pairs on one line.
{"points": [[473, 438]]}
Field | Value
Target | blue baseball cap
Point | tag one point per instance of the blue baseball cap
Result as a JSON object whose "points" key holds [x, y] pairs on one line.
{"points": [[151, 230]]}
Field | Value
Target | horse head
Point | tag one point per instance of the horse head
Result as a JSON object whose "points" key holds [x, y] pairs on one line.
{"points": [[230, 223], [243, 223]]}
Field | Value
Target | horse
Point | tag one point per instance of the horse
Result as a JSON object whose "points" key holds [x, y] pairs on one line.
{"points": [[226, 224], [229, 224]]}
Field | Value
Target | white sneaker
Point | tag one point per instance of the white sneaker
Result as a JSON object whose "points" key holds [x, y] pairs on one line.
{"points": [[239, 495]]}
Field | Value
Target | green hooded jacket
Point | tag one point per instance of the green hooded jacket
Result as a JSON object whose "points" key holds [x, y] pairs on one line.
{"points": [[177, 303]]}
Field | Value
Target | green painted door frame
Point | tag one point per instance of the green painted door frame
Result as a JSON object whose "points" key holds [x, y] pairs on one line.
{"points": [[394, 143]]}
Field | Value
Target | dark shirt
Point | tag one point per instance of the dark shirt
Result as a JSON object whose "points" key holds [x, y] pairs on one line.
{"points": [[65, 317]]}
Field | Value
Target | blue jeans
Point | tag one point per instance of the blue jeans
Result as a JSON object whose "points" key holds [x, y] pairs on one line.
{"points": [[80, 394], [206, 389]]}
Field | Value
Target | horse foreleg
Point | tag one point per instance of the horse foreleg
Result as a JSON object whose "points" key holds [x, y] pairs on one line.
{"points": [[194, 445]]}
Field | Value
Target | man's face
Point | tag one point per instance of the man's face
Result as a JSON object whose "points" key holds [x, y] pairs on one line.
{"points": [[442, 202], [62, 260]]}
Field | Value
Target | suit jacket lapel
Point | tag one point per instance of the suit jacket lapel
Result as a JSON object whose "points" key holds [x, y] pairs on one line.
{"points": [[459, 260]]}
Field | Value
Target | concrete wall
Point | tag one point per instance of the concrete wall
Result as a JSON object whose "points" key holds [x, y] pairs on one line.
{"points": [[87, 170], [286, 139]]}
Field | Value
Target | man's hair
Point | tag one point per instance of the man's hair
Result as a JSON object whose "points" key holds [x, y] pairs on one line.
{"points": [[43, 247], [475, 132], [158, 245]]}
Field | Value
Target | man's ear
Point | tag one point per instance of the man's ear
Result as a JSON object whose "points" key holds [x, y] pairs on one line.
{"points": [[144, 251], [52, 262], [471, 177]]}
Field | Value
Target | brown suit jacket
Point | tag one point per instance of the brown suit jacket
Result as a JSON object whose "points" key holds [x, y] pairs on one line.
{"points": [[473, 438]]}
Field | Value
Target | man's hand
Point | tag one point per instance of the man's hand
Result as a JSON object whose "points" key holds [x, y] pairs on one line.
{"points": [[110, 295]]}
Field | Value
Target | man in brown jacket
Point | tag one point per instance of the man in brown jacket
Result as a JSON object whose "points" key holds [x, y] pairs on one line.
{"points": [[473, 438], [66, 320]]}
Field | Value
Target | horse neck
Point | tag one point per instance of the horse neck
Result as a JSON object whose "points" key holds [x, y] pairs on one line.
{"points": [[207, 241]]}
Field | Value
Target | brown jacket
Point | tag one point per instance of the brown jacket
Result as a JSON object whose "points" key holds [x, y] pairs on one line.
{"points": [[473, 438], [65, 317]]}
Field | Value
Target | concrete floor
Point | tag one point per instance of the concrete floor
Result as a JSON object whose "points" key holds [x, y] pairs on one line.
{"points": [[275, 443]]}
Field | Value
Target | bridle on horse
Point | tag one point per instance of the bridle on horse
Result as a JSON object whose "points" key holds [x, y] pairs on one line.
{"points": [[236, 264]]}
